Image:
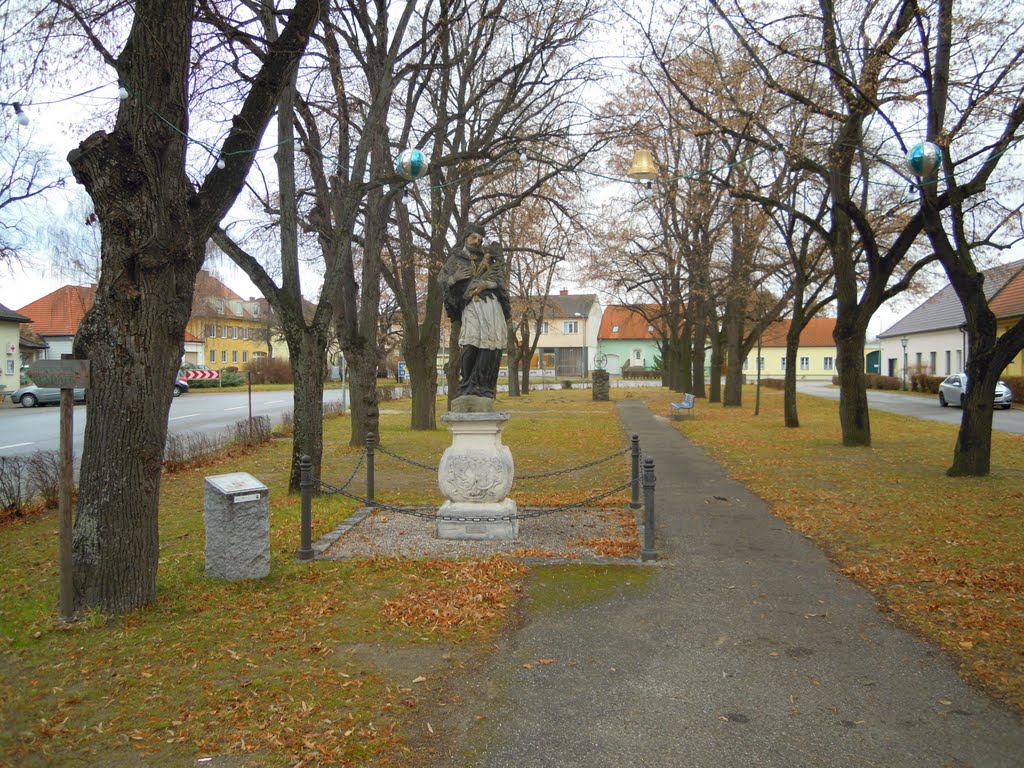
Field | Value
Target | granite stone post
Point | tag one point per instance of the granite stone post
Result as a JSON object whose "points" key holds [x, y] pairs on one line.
{"points": [[600, 388], [237, 518]]}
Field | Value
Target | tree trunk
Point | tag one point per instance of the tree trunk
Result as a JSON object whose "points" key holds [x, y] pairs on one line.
{"points": [[362, 383], [513, 355], [854, 416], [734, 354], [791, 419], [308, 353], [422, 363], [697, 358], [716, 367], [526, 378]]}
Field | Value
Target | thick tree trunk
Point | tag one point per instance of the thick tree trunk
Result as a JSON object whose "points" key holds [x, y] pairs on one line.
{"points": [[697, 357], [716, 368], [790, 416], [526, 378], [734, 354], [854, 417], [422, 363]]}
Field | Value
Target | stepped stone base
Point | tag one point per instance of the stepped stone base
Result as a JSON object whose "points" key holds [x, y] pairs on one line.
{"points": [[488, 530]]}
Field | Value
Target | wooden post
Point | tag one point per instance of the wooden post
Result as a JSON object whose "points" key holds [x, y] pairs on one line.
{"points": [[66, 483]]}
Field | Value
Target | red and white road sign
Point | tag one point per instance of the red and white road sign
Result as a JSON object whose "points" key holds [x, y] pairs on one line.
{"points": [[201, 373]]}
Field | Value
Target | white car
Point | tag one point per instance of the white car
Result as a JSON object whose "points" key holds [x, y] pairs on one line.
{"points": [[954, 389]]}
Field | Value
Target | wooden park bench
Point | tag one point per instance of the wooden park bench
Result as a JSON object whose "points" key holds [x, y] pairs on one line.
{"points": [[685, 405]]}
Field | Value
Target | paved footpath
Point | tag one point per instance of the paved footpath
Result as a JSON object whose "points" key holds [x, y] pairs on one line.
{"points": [[745, 648]]}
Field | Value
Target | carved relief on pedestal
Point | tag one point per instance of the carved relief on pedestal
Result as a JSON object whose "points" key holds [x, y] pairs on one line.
{"points": [[473, 476]]}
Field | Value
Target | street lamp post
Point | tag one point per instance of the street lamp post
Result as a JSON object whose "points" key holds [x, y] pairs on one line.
{"points": [[583, 347], [903, 341]]}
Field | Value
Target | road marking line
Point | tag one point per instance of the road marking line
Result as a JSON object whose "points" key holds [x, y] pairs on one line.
{"points": [[236, 408], [186, 416], [14, 445], [273, 402]]}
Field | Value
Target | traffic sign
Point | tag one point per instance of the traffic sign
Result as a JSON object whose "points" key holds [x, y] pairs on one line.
{"points": [[201, 373], [64, 374]]}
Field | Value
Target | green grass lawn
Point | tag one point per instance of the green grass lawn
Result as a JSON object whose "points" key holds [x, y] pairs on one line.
{"points": [[279, 670]]}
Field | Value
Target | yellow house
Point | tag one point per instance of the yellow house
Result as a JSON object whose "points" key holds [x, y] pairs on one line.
{"points": [[233, 332], [816, 355], [1008, 307]]}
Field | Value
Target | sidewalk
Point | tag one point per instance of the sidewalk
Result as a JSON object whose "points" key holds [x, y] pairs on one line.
{"points": [[745, 648]]}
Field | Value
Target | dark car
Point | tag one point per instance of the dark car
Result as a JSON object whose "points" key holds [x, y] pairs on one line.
{"points": [[32, 395]]}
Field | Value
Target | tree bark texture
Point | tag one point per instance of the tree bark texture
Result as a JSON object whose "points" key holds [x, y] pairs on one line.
{"points": [[154, 228]]}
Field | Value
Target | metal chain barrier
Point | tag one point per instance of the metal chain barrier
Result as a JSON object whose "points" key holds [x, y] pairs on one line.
{"points": [[412, 462], [352, 477], [570, 470], [430, 514]]}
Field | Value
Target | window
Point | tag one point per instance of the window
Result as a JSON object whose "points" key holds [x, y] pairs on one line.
{"points": [[570, 326], [805, 363], [650, 329], [234, 355], [245, 332], [245, 357], [959, 359], [932, 363], [637, 355], [828, 363], [544, 327], [221, 332], [10, 366], [259, 356], [949, 370], [917, 358], [213, 356], [745, 364], [234, 331], [615, 329], [783, 362], [224, 356], [210, 331]]}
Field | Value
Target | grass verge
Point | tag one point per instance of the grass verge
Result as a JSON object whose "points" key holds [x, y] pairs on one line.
{"points": [[286, 670], [944, 554]]}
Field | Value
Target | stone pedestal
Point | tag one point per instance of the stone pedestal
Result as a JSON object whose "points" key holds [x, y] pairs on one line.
{"points": [[476, 475], [237, 518], [600, 387]]}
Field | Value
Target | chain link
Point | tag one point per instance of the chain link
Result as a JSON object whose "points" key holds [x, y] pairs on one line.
{"points": [[384, 450], [354, 471], [570, 470], [429, 513]]}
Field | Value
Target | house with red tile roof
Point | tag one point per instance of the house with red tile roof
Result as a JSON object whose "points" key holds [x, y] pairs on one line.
{"points": [[936, 338], [56, 317], [628, 337], [816, 355]]}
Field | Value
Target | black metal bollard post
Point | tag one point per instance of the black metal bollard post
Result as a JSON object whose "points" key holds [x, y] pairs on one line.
{"points": [[648, 553], [634, 450], [306, 486], [371, 441]]}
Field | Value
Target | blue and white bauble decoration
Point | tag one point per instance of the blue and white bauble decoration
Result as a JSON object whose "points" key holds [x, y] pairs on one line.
{"points": [[411, 164], [924, 159]]}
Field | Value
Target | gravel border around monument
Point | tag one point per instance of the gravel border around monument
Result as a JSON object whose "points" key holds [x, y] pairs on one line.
{"points": [[570, 535]]}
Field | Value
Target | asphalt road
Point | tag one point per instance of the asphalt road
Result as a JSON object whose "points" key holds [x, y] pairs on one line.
{"points": [[918, 406], [24, 431]]}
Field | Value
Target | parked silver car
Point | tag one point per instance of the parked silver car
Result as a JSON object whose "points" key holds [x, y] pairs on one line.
{"points": [[954, 389], [33, 395]]}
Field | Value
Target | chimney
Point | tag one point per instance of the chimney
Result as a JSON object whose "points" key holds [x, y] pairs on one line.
{"points": [[564, 292]]}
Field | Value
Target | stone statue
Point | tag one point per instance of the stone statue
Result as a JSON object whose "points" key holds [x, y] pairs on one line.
{"points": [[473, 286]]}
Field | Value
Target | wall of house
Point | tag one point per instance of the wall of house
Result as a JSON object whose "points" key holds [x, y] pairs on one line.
{"points": [[228, 341], [1016, 366], [939, 353], [622, 352], [813, 363], [10, 356]]}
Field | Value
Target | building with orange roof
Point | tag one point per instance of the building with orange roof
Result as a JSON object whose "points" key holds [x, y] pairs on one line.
{"points": [[628, 337], [816, 355], [230, 331], [12, 353], [56, 317]]}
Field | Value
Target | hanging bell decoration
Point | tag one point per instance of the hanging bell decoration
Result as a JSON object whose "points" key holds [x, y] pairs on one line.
{"points": [[643, 167]]}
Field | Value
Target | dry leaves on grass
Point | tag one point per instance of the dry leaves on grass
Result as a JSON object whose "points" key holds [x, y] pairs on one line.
{"points": [[470, 594]]}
